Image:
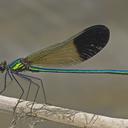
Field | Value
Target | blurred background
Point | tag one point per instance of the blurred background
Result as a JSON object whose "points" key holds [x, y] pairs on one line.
{"points": [[28, 25]]}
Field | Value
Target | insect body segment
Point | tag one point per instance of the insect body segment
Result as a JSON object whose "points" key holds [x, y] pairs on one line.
{"points": [[3, 66], [17, 65]]}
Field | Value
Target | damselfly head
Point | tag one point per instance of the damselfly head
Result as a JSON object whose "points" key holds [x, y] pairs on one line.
{"points": [[3, 66]]}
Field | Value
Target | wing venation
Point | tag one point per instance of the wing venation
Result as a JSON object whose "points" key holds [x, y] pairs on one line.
{"points": [[80, 47]]}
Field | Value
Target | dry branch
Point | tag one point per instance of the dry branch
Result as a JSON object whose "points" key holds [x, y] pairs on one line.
{"points": [[62, 115]]}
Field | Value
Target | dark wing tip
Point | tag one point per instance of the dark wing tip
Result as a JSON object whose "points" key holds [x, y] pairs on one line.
{"points": [[91, 41]]}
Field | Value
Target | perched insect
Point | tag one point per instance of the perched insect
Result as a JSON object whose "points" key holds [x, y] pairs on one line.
{"points": [[77, 49]]}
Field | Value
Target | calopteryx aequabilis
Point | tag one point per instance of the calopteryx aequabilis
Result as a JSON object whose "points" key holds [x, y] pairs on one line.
{"points": [[77, 49]]}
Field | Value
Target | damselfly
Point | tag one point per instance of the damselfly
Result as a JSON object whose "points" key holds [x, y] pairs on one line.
{"points": [[77, 49]]}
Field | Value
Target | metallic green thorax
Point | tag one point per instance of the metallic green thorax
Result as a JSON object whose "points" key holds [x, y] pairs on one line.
{"points": [[17, 66]]}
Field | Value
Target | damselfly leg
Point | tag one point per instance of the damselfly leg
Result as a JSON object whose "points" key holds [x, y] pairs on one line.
{"points": [[30, 79], [5, 81], [31, 82], [41, 83], [22, 90]]}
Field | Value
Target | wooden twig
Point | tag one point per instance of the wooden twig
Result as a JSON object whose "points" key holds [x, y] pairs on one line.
{"points": [[62, 115]]}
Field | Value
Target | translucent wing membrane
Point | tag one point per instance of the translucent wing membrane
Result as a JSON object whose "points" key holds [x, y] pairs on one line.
{"points": [[80, 47]]}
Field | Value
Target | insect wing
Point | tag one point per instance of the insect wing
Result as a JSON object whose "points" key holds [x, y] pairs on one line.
{"points": [[78, 48]]}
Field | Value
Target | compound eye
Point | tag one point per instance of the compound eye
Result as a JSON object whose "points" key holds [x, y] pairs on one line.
{"points": [[2, 68]]}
